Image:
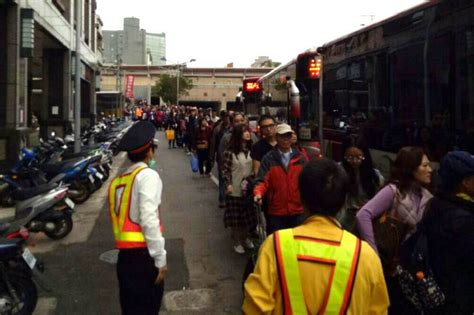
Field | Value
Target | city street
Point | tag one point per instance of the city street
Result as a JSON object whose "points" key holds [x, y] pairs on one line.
{"points": [[204, 273]]}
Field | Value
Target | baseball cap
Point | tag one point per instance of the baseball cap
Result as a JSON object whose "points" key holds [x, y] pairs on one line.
{"points": [[282, 129]]}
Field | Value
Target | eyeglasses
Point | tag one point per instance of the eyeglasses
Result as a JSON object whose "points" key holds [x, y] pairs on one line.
{"points": [[267, 126], [352, 158]]}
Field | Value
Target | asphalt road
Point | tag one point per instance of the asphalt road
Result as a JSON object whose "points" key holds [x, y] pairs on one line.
{"points": [[204, 273]]}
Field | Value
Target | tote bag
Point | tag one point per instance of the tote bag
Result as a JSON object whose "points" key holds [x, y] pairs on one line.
{"points": [[169, 134]]}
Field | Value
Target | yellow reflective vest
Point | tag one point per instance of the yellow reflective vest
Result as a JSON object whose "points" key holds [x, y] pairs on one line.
{"points": [[343, 257], [127, 234]]}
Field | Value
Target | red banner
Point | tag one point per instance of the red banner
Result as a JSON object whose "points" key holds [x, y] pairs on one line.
{"points": [[129, 86]]}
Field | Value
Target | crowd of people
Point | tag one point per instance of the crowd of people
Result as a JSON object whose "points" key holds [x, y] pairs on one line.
{"points": [[341, 237]]}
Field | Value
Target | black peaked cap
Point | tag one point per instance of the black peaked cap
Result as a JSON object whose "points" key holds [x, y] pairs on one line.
{"points": [[137, 136]]}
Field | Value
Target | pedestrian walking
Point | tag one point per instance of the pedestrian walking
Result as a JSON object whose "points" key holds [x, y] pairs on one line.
{"points": [[449, 227], [201, 146], [317, 268], [171, 126], [278, 179], [134, 200], [237, 166], [391, 216]]}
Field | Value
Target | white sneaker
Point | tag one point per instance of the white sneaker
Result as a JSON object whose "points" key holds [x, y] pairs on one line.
{"points": [[248, 244], [239, 249]]}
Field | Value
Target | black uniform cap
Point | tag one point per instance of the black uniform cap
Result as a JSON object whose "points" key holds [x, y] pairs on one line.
{"points": [[138, 138]]}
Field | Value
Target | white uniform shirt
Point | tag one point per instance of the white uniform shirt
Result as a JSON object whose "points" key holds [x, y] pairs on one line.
{"points": [[144, 210]]}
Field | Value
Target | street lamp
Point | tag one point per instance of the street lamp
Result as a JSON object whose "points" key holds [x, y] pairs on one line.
{"points": [[178, 66], [149, 60]]}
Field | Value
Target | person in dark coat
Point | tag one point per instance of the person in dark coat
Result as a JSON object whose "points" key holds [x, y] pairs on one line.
{"points": [[449, 225]]}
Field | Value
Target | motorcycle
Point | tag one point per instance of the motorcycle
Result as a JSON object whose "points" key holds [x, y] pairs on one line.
{"points": [[18, 266], [44, 208]]}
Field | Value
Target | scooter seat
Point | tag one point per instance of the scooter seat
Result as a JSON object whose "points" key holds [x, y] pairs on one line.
{"points": [[70, 155], [59, 167], [6, 243], [21, 194]]}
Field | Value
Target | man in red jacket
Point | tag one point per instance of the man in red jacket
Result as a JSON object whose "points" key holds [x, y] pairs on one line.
{"points": [[278, 180]]}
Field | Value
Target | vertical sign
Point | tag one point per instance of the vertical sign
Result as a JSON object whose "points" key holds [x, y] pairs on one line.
{"points": [[129, 86]]}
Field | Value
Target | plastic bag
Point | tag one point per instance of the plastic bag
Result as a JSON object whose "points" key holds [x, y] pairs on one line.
{"points": [[194, 163]]}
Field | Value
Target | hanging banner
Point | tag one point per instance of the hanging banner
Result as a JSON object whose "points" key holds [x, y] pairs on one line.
{"points": [[129, 86]]}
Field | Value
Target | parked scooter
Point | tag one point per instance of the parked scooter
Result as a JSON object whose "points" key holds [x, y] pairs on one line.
{"points": [[44, 208], [18, 268]]}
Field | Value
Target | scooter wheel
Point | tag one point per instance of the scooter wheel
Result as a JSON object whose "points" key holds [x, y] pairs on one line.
{"points": [[84, 192], [26, 291], [63, 227]]}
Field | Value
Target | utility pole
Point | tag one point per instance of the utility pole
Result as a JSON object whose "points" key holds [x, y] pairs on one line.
{"points": [[117, 82], [177, 86], [77, 79]]}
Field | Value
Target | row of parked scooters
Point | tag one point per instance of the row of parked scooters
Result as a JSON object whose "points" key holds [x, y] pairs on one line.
{"points": [[39, 194]]}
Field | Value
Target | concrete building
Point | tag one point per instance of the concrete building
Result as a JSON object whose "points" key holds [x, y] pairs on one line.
{"points": [[212, 87], [156, 45], [37, 44], [260, 62], [131, 45]]}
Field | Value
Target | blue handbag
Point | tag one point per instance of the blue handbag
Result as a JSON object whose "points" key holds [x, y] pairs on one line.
{"points": [[194, 163]]}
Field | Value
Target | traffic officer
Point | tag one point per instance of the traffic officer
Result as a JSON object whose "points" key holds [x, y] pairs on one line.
{"points": [[134, 200], [317, 268]]}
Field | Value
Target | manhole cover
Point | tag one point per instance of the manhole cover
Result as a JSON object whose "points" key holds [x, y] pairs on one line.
{"points": [[110, 256]]}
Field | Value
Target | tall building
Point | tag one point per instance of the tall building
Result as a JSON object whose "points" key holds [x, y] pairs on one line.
{"points": [[131, 45], [113, 43], [156, 44], [37, 70], [260, 62]]}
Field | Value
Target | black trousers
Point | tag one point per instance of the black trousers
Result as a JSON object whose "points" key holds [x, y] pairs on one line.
{"points": [[136, 274], [203, 158]]}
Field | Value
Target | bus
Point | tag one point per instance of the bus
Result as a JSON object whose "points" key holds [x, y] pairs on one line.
{"points": [[290, 93], [251, 96], [406, 80]]}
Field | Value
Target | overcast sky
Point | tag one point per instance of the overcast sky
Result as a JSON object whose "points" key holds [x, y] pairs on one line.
{"points": [[217, 32]]}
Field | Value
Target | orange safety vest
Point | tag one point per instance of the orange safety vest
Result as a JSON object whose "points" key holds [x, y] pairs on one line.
{"points": [[343, 256], [127, 233]]}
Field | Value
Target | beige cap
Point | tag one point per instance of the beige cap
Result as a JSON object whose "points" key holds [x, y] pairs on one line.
{"points": [[282, 129]]}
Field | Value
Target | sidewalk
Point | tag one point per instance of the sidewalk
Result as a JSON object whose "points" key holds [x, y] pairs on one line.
{"points": [[204, 274]]}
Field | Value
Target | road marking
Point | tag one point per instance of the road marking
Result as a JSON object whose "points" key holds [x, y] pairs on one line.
{"points": [[46, 306], [215, 180]]}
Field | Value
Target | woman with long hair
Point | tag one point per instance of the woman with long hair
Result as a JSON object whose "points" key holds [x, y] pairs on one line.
{"points": [[403, 201], [237, 166], [364, 179]]}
